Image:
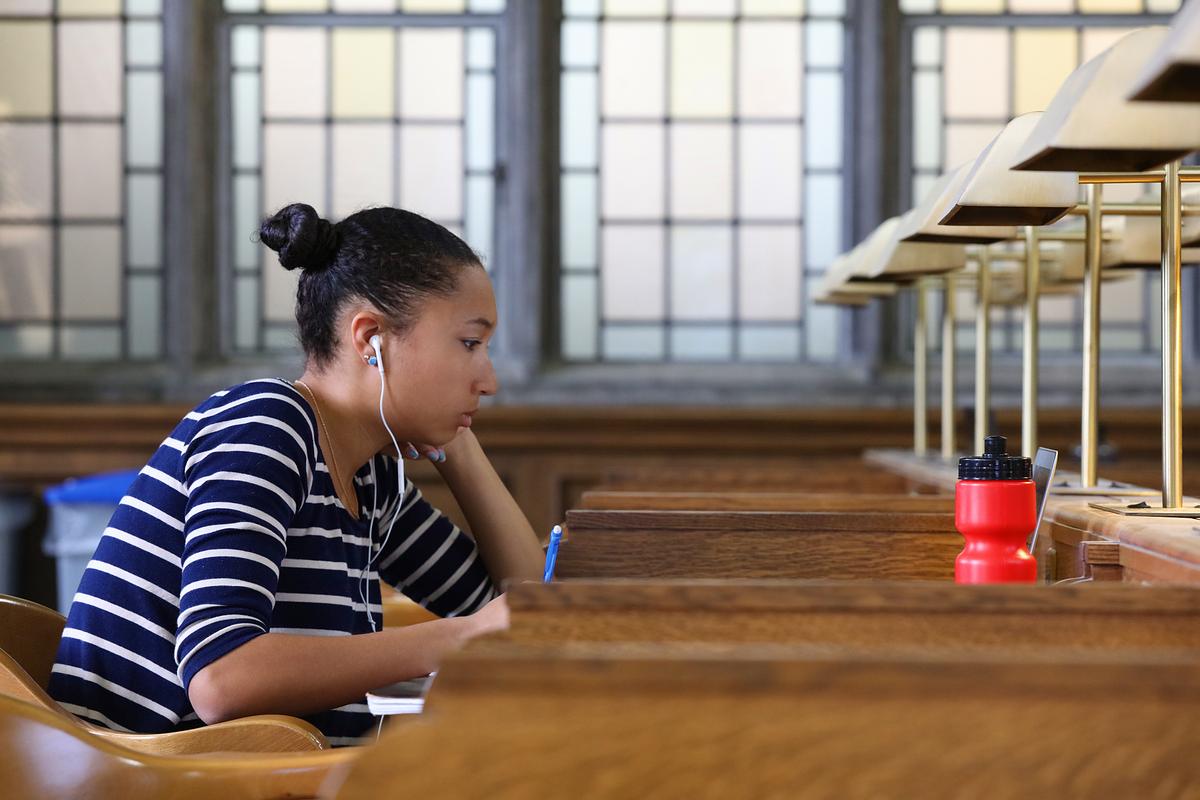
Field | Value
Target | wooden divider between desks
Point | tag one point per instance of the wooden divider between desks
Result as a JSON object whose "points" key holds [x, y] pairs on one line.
{"points": [[722, 500], [509, 720], [787, 688], [864, 615], [679, 544]]}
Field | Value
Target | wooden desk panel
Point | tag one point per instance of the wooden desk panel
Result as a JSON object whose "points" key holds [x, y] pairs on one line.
{"points": [[864, 615], [676, 544], [605, 720], [618, 520], [724, 500]]}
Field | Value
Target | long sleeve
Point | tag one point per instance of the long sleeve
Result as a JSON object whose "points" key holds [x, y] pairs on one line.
{"points": [[247, 471]]}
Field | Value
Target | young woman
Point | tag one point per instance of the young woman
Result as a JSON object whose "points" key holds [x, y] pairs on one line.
{"points": [[240, 574]]}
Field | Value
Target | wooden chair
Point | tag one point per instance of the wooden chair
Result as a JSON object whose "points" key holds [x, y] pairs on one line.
{"points": [[29, 635], [399, 611], [49, 757]]}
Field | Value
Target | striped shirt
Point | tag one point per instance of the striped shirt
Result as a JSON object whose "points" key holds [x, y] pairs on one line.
{"points": [[234, 529]]}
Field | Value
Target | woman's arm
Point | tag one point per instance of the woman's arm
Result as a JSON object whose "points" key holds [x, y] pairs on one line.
{"points": [[278, 673], [507, 543]]}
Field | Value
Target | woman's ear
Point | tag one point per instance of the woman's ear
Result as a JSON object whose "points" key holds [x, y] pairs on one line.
{"points": [[363, 325]]}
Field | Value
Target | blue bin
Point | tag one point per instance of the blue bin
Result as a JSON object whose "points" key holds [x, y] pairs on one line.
{"points": [[79, 512]]}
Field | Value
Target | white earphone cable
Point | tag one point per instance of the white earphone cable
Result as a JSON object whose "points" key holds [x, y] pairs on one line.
{"points": [[372, 553]]}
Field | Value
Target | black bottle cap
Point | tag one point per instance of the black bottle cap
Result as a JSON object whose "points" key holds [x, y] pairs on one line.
{"points": [[995, 464]]}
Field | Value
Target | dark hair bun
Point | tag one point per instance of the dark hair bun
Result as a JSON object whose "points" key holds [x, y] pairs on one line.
{"points": [[302, 239]]}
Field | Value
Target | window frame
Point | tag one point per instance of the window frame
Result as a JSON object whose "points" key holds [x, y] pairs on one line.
{"points": [[872, 364]]}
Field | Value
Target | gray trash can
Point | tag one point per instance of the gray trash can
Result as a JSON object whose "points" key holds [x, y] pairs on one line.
{"points": [[16, 510], [79, 512]]}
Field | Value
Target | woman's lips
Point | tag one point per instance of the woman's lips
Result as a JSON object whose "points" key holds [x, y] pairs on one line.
{"points": [[465, 420]]}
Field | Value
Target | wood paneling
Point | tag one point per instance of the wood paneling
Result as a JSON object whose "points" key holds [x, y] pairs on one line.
{"points": [[866, 615], [549, 455], [718, 500], [511, 720], [797, 545]]}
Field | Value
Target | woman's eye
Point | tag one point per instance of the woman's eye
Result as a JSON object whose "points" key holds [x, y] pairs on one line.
{"points": [[470, 344]]}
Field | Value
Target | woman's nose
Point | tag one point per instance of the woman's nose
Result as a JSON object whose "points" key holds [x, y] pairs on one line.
{"points": [[488, 384]]}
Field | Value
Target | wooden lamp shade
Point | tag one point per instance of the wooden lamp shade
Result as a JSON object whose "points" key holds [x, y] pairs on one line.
{"points": [[1140, 245], [992, 193], [1091, 126], [1071, 264], [923, 223], [895, 260], [1173, 73], [836, 288]]}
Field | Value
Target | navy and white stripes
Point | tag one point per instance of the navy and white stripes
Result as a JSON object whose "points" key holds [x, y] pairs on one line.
{"points": [[233, 529]]}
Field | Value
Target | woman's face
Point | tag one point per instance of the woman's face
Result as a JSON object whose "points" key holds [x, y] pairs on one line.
{"points": [[439, 369]]}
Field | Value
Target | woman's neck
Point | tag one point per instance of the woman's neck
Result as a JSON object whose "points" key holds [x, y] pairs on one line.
{"points": [[351, 433]]}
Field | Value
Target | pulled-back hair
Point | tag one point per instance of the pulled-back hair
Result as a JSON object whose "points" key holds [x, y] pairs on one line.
{"points": [[388, 257]]}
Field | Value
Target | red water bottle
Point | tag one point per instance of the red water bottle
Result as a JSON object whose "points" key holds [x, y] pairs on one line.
{"points": [[995, 511]]}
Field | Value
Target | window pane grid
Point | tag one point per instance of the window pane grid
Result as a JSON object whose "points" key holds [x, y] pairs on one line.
{"points": [[423, 140], [673, 192], [350, 8], [81, 184], [1040, 7]]}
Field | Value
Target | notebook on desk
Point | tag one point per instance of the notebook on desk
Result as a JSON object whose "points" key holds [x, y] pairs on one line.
{"points": [[405, 697]]}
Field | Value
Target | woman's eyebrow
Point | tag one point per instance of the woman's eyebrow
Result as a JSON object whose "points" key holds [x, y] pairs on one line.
{"points": [[484, 321]]}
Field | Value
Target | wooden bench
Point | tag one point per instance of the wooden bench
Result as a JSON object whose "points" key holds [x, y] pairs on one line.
{"points": [[605, 499], [509, 720], [813, 545]]}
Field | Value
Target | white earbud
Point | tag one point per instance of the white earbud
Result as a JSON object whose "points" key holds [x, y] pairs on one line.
{"points": [[377, 362]]}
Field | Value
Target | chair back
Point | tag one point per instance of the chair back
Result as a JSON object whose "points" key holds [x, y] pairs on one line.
{"points": [[47, 756], [29, 634], [15, 682]]}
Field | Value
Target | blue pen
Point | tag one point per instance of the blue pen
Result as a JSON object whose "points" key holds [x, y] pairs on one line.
{"points": [[552, 553]]}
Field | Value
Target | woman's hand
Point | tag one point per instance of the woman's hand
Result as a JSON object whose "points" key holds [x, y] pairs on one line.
{"points": [[491, 618], [416, 452]]}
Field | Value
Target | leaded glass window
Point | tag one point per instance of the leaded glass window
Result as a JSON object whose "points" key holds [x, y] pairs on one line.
{"points": [[390, 110], [81, 179], [1083, 7], [701, 178]]}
